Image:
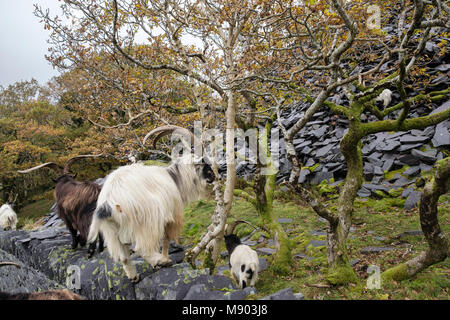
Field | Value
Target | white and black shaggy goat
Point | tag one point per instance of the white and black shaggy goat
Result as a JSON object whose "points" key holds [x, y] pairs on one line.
{"points": [[63, 294], [143, 205], [8, 217], [244, 260], [75, 202]]}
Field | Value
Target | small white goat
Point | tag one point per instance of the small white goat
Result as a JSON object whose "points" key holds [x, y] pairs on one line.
{"points": [[8, 218], [244, 260], [385, 96]]}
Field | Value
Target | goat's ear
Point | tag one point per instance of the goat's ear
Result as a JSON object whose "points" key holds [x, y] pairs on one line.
{"points": [[55, 180]]}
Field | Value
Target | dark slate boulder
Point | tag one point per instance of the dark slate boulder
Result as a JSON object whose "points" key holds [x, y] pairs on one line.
{"points": [[23, 279], [49, 252], [174, 283]]}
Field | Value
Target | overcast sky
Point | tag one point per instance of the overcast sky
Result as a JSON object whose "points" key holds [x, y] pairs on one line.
{"points": [[23, 42]]}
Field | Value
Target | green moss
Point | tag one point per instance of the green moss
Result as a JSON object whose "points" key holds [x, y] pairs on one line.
{"points": [[388, 175], [395, 193], [397, 273], [312, 168], [227, 273], [341, 274], [282, 261], [380, 193], [385, 204], [325, 188], [208, 261]]}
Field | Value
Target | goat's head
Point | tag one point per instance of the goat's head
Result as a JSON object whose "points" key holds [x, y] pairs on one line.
{"points": [[231, 239], [12, 199], [202, 166]]}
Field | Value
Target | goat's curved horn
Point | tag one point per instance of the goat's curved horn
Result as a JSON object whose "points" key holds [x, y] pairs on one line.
{"points": [[51, 165], [233, 226], [73, 159], [166, 130], [9, 264]]}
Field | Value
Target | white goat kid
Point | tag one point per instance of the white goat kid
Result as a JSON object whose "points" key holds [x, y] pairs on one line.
{"points": [[244, 260], [244, 266], [8, 218], [143, 204]]}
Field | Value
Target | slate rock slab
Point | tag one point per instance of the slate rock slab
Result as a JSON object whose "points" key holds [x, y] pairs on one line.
{"points": [[24, 279], [320, 176], [174, 283], [317, 233], [316, 243], [413, 200], [354, 262], [284, 220], [372, 249], [284, 294], [410, 233], [265, 251], [303, 256], [424, 156], [263, 264], [412, 171], [442, 135], [202, 292]]}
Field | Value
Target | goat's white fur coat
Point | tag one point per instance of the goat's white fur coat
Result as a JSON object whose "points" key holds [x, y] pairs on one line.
{"points": [[243, 258], [8, 218], [146, 205]]}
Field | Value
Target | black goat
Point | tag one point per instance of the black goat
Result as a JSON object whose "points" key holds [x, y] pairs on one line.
{"points": [[75, 202]]}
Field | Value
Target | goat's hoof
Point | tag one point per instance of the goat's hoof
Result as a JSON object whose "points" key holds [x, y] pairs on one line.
{"points": [[135, 279], [164, 264], [90, 254]]}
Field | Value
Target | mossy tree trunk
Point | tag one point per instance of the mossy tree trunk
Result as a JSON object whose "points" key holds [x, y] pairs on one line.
{"points": [[339, 269], [437, 243], [264, 188]]}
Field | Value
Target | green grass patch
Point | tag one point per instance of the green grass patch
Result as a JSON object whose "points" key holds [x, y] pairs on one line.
{"points": [[32, 212], [374, 219]]}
